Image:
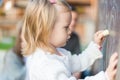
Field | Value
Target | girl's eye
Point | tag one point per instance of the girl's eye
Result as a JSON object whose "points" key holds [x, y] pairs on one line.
{"points": [[67, 28]]}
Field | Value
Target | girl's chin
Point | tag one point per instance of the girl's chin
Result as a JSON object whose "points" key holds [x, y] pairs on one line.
{"points": [[63, 45]]}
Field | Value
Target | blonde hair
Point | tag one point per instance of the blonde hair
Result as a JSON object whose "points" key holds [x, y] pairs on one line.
{"points": [[38, 23]]}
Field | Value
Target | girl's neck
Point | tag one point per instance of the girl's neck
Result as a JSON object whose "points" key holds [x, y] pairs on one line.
{"points": [[56, 51]]}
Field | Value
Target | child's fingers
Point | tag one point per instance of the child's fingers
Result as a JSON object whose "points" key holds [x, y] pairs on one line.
{"points": [[100, 36], [114, 73], [114, 56], [113, 61], [97, 33], [114, 64], [112, 68]]}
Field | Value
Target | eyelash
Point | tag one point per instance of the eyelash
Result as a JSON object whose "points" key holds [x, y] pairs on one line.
{"points": [[67, 28]]}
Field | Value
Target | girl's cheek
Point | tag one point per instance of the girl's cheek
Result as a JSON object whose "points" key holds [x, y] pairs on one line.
{"points": [[22, 45]]}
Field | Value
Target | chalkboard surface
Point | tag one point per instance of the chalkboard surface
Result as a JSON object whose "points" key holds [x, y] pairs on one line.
{"points": [[109, 18]]}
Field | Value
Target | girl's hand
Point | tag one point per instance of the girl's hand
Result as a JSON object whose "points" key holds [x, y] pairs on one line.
{"points": [[112, 68], [99, 37], [77, 75]]}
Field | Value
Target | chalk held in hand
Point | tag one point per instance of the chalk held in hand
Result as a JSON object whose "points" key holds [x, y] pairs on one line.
{"points": [[106, 32]]}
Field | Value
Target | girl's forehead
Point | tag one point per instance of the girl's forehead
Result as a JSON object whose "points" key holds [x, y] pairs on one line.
{"points": [[67, 14], [63, 14], [64, 17], [61, 8]]}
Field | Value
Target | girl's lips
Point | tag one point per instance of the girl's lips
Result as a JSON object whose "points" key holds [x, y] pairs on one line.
{"points": [[69, 37]]}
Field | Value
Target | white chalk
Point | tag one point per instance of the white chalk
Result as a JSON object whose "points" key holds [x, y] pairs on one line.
{"points": [[106, 32]]}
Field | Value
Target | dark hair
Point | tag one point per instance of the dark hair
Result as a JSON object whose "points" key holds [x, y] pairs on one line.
{"points": [[73, 8]]}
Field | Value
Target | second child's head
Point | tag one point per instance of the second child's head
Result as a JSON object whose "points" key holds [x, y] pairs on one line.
{"points": [[46, 25]]}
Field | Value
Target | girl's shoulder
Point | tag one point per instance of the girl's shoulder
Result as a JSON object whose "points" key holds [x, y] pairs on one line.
{"points": [[37, 54], [40, 53], [42, 56]]}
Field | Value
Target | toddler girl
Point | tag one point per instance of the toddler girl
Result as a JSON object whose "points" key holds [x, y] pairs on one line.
{"points": [[45, 29]]}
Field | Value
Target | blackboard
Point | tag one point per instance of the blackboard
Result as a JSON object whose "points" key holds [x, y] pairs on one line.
{"points": [[109, 18]]}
